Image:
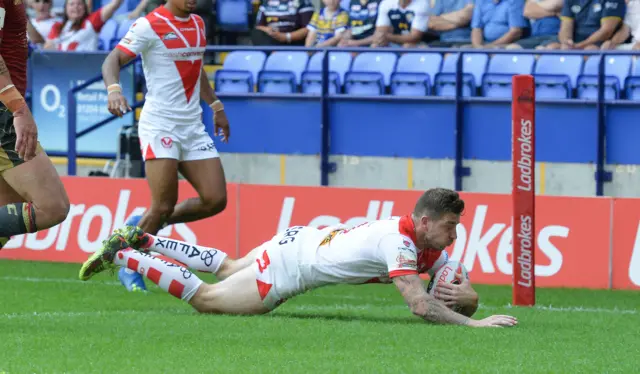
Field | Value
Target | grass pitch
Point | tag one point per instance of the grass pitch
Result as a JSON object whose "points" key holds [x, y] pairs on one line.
{"points": [[52, 323]]}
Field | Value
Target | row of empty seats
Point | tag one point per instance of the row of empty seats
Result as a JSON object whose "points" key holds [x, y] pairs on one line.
{"points": [[424, 74]]}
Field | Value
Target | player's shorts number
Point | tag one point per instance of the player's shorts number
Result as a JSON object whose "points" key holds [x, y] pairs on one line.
{"points": [[289, 235], [262, 266]]}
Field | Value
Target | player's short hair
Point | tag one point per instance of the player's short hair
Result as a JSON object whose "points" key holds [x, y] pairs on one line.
{"points": [[436, 202]]}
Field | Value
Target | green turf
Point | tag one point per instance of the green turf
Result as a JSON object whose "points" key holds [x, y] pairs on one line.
{"points": [[51, 323]]}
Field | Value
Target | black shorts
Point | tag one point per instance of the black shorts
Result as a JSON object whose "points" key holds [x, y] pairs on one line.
{"points": [[8, 156]]}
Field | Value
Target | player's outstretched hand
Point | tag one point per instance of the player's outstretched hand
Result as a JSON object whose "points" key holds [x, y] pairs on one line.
{"points": [[117, 104], [495, 321], [221, 125], [26, 134]]}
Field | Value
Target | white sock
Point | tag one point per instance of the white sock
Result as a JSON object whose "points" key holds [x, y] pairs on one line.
{"points": [[176, 280], [194, 256]]}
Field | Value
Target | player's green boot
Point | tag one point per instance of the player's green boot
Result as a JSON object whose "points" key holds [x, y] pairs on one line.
{"points": [[136, 238], [103, 258]]}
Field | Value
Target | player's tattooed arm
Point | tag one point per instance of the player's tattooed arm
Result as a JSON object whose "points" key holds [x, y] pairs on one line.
{"points": [[424, 305]]}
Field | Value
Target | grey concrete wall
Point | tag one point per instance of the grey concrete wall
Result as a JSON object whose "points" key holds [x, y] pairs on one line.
{"points": [[399, 173]]}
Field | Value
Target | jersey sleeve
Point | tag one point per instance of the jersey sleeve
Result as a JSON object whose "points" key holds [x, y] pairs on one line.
{"points": [[421, 18], [400, 255], [313, 24], [342, 22], [613, 9], [476, 18], [137, 38], [383, 14], [305, 12], [566, 10], [96, 21]]}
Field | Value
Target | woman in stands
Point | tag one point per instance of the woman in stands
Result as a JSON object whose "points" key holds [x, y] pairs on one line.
{"points": [[79, 29]]}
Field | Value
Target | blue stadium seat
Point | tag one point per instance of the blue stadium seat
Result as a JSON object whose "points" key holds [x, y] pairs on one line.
{"points": [[415, 73], [122, 31], [107, 35], [556, 76], [370, 73], [282, 72], [240, 71], [339, 64], [473, 68], [496, 82], [632, 83], [233, 15], [616, 70]]}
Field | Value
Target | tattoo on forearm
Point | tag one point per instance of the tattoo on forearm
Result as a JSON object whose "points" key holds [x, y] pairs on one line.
{"points": [[421, 303]]}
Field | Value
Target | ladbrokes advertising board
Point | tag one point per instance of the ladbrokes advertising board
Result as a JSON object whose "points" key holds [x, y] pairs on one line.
{"points": [[578, 241]]}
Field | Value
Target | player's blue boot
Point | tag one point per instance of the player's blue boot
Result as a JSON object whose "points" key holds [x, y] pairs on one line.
{"points": [[130, 279]]}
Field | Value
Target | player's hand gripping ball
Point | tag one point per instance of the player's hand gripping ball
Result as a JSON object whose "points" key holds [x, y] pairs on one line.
{"points": [[452, 272]]}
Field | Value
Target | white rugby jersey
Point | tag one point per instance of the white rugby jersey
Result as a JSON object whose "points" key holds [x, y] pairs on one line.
{"points": [[84, 39], [172, 49], [374, 252]]}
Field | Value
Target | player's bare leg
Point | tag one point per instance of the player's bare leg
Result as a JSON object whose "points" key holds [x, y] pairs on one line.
{"points": [[207, 178], [43, 200], [162, 177], [236, 295]]}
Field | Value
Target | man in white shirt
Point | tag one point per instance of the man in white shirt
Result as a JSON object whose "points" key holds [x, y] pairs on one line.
{"points": [[302, 258], [401, 23]]}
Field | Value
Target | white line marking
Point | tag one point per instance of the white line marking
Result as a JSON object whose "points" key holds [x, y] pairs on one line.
{"points": [[546, 308]]}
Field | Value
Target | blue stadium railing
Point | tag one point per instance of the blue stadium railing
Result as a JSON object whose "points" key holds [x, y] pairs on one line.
{"points": [[601, 175]]}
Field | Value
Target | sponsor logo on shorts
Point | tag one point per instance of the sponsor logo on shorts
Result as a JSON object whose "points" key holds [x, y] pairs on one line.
{"points": [[209, 147], [167, 142]]}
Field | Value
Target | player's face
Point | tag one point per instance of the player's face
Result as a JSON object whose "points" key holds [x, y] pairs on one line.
{"points": [[441, 233], [186, 6], [331, 4], [75, 9]]}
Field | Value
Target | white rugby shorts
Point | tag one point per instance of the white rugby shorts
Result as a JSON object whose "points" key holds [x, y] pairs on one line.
{"points": [[182, 143], [277, 266]]}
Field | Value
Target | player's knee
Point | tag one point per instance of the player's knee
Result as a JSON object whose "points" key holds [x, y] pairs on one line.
{"points": [[53, 211], [163, 209], [215, 203], [204, 301]]}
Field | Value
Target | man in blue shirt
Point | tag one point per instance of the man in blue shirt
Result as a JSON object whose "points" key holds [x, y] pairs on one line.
{"points": [[496, 23], [545, 23], [588, 24], [451, 19]]}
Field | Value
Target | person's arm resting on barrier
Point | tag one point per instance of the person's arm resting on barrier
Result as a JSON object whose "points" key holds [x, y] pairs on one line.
{"points": [[133, 43], [220, 121]]}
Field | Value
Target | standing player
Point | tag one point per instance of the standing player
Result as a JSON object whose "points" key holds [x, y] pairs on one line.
{"points": [[304, 258], [32, 196], [172, 136]]}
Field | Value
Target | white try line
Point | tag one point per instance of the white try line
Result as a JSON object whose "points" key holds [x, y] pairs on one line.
{"points": [[547, 308]]}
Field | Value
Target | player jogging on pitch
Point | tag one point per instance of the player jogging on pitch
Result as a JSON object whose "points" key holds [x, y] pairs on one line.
{"points": [[304, 258], [32, 196], [173, 138]]}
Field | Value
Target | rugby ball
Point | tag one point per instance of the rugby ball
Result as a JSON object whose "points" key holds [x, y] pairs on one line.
{"points": [[451, 272]]}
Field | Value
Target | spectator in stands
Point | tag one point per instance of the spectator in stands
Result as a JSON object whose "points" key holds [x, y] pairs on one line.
{"points": [[400, 23], [586, 25], [43, 20], [451, 19], [545, 23], [79, 29], [497, 23], [628, 36], [362, 23], [327, 25], [282, 22]]}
